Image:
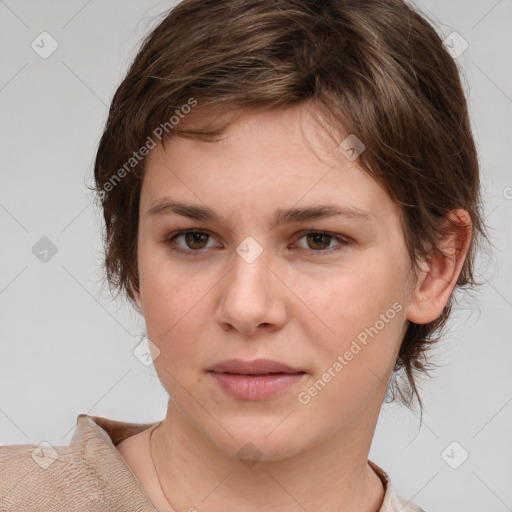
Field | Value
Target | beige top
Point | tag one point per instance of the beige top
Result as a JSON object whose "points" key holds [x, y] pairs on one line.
{"points": [[90, 475]]}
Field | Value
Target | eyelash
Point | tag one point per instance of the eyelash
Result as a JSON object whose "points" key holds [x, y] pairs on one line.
{"points": [[193, 252]]}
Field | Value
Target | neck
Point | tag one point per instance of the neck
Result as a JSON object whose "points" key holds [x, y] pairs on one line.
{"points": [[194, 473]]}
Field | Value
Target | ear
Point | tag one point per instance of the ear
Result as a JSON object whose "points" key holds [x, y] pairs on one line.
{"points": [[439, 272]]}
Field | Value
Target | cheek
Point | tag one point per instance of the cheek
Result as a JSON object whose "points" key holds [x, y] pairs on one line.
{"points": [[352, 365], [350, 300], [359, 315], [174, 306]]}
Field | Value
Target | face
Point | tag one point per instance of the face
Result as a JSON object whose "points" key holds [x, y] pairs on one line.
{"points": [[324, 292]]}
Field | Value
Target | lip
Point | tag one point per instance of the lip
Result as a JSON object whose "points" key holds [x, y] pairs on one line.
{"points": [[254, 380], [255, 367]]}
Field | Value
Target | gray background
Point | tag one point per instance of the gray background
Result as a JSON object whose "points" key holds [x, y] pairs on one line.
{"points": [[67, 348]]}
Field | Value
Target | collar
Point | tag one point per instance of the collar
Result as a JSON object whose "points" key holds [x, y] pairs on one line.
{"points": [[96, 438]]}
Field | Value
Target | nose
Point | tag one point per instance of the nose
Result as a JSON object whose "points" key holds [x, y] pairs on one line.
{"points": [[252, 298]]}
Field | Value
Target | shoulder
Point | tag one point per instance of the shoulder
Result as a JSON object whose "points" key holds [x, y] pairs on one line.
{"points": [[397, 504], [89, 474], [392, 502], [30, 471]]}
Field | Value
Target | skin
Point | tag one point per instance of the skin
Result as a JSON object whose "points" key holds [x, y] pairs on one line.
{"points": [[293, 304]]}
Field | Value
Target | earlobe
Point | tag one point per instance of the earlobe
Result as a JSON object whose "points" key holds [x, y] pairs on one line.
{"points": [[439, 273]]}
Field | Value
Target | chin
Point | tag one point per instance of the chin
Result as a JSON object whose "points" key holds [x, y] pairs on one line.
{"points": [[258, 440]]}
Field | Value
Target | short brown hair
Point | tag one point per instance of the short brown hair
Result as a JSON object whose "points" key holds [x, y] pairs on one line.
{"points": [[375, 68]]}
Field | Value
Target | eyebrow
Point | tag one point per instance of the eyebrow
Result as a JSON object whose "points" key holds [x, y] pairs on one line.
{"points": [[281, 216]]}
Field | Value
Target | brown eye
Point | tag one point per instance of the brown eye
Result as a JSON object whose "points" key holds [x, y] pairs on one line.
{"points": [[196, 240], [189, 241], [319, 241], [322, 242]]}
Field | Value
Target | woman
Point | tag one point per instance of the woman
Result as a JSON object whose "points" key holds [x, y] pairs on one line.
{"points": [[291, 197]]}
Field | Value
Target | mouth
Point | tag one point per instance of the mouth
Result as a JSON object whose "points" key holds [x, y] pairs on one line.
{"points": [[255, 367], [255, 380]]}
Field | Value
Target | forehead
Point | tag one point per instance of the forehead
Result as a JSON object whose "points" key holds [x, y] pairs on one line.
{"points": [[253, 158]]}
